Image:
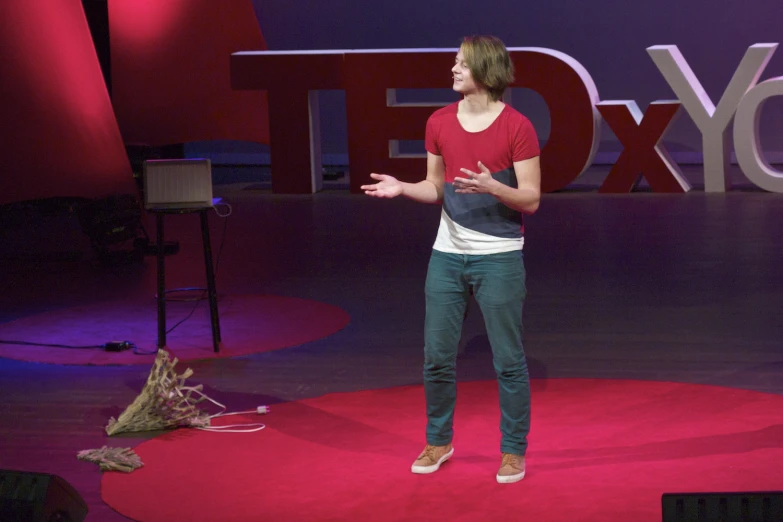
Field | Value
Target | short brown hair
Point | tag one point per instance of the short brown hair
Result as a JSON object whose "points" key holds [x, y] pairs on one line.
{"points": [[489, 63]]}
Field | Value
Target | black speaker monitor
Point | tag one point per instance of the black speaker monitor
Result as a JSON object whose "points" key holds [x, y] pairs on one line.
{"points": [[38, 497], [759, 506]]}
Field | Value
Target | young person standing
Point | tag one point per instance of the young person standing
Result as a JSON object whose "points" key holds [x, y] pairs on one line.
{"points": [[483, 166]]}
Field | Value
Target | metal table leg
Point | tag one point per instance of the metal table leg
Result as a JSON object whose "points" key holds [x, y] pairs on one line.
{"points": [[161, 284], [213, 309]]}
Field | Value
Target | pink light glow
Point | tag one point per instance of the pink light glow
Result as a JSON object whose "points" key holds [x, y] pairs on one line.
{"points": [[145, 24], [65, 140], [171, 75]]}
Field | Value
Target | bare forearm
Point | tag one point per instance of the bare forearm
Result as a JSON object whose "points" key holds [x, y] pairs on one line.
{"points": [[524, 199], [424, 191]]}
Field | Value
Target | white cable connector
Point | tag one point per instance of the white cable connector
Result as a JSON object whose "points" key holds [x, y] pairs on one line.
{"points": [[245, 428]]}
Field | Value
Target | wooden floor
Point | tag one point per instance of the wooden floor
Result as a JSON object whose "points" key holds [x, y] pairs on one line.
{"points": [[682, 288]]}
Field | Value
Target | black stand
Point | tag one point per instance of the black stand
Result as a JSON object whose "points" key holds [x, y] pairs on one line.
{"points": [[211, 290]]}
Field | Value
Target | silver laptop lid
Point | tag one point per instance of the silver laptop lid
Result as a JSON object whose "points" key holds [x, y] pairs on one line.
{"points": [[177, 183]]}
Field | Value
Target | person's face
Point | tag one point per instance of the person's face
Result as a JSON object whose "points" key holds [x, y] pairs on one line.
{"points": [[463, 78]]}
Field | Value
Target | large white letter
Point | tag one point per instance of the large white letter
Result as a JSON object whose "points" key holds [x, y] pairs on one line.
{"points": [[746, 136], [712, 122]]}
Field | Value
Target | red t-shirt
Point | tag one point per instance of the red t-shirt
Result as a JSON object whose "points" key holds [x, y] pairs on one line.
{"points": [[510, 138]]}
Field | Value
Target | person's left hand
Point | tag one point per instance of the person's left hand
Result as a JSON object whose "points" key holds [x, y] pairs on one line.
{"points": [[476, 183]]}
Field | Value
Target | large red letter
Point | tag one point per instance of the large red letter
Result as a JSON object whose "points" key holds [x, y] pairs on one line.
{"points": [[294, 136], [643, 153], [376, 122], [571, 95]]}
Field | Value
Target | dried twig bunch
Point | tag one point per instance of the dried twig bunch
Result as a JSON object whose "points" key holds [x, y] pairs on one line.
{"points": [[112, 459], [164, 402]]}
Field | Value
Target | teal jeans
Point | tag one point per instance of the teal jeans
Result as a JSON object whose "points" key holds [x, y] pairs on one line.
{"points": [[498, 284]]}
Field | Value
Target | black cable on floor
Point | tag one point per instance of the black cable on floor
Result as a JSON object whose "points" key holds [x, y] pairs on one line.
{"points": [[28, 343], [128, 343]]}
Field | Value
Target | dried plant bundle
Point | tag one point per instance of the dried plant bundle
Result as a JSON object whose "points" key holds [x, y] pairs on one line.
{"points": [[112, 459], [164, 402]]}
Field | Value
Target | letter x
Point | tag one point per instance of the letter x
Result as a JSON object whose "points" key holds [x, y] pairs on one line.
{"points": [[643, 153]]}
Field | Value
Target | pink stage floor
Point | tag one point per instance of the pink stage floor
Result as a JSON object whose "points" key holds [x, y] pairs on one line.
{"points": [[678, 296]]}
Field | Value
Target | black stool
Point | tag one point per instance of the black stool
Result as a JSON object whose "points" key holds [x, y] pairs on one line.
{"points": [[160, 213]]}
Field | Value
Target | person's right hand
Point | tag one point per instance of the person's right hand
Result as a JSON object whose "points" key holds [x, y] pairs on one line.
{"points": [[387, 186]]}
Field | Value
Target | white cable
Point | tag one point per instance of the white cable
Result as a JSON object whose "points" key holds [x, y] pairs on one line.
{"points": [[222, 429], [223, 204], [253, 427]]}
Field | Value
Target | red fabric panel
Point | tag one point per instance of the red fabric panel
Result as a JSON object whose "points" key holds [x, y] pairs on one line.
{"points": [[170, 71], [60, 137]]}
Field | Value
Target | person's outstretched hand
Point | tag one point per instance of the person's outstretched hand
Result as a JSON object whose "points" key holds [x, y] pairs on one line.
{"points": [[387, 186], [476, 183]]}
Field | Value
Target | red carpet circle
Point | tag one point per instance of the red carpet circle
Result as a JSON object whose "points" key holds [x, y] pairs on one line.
{"points": [[248, 324], [600, 450]]}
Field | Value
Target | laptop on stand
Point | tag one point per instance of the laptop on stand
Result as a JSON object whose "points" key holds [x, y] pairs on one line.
{"points": [[178, 184]]}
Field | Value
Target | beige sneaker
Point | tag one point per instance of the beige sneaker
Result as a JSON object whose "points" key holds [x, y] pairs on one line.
{"points": [[512, 468], [431, 458]]}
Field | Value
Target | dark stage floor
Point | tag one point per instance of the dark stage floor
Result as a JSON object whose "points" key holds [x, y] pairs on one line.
{"points": [[685, 288]]}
